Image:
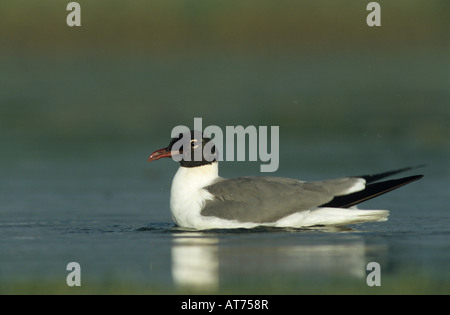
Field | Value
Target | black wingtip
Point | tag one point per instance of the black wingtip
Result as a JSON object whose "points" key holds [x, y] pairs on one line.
{"points": [[375, 177], [371, 191]]}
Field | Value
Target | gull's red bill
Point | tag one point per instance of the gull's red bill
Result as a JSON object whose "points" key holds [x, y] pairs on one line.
{"points": [[159, 154]]}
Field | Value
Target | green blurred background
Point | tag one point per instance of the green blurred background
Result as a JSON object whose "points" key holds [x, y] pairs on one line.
{"points": [[82, 107], [135, 69]]}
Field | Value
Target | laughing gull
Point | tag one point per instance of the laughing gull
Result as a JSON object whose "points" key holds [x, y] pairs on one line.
{"points": [[201, 199]]}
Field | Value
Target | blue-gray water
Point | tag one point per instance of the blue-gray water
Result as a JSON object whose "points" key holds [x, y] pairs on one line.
{"points": [[99, 203]]}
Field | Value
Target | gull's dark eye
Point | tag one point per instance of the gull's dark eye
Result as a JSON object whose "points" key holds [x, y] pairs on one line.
{"points": [[194, 144]]}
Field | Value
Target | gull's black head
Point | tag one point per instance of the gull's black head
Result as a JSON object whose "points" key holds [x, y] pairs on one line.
{"points": [[191, 149]]}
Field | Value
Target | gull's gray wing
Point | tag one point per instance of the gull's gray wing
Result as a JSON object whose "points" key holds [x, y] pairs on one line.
{"points": [[267, 199]]}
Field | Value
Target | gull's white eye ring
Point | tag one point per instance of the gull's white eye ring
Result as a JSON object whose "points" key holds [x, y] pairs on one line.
{"points": [[194, 144]]}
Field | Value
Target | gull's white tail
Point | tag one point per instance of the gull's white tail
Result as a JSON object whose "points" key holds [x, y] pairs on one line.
{"points": [[333, 216]]}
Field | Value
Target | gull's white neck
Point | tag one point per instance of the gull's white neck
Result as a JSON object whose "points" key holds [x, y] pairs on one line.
{"points": [[187, 195], [196, 177]]}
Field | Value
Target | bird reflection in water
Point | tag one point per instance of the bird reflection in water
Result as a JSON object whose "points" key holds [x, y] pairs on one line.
{"points": [[196, 257]]}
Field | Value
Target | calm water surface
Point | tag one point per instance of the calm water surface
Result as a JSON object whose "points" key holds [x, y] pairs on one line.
{"points": [[101, 205]]}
